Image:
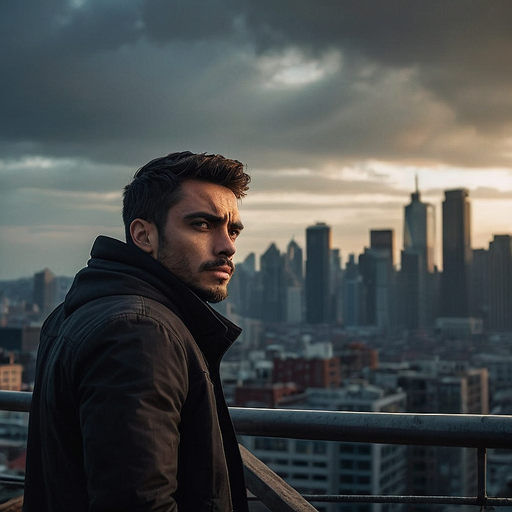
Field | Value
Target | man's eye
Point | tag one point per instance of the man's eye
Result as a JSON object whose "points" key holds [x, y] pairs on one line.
{"points": [[201, 224], [234, 233]]}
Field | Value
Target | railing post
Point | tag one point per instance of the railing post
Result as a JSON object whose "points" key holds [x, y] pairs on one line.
{"points": [[482, 477]]}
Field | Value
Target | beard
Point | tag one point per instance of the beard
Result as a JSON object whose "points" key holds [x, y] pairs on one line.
{"points": [[212, 295], [180, 266]]}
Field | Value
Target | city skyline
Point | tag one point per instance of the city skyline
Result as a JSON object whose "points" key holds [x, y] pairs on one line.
{"points": [[334, 107], [281, 241]]}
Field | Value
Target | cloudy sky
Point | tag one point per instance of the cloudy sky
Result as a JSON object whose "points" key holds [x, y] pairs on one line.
{"points": [[334, 106]]}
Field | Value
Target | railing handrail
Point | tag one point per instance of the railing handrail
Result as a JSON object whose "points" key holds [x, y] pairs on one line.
{"points": [[15, 401], [462, 430]]}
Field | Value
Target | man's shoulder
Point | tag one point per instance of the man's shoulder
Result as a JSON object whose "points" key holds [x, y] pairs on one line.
{"points": [[121, 313], [114, 307]]}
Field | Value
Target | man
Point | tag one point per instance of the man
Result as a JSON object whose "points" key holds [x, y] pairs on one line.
{"points": [[128, 412]]}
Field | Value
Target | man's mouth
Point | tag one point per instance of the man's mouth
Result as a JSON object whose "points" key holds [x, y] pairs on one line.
{"points": [[222, 269], [221, 272]]}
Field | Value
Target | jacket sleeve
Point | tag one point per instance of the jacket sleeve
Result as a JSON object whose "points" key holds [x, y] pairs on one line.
{"points": [[131, 377]]}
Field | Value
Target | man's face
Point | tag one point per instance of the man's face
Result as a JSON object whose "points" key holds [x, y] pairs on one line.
{"points": [[198, 241]]}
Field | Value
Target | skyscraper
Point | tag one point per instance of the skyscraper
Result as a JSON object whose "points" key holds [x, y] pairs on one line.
{"points": [[294, 265], [382, 240], [245, 290], [294, 261], [457, 254], [274, 285], [419, 230], [336, 288], [44, 292], [376, 267], [318, 291], [417, 262], [500, 283], [480, 285], [352, 293]]}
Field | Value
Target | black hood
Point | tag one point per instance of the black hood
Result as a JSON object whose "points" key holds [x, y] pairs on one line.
{"points": [[118, 268]]}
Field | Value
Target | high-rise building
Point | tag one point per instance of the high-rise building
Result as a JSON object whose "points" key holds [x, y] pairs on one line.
{"points": [[412, 286], [336, 288], [294, 261], [294, 264], [326, 467], [500, 283], [383, 240], [352, 289], [44, 292], [457, 254], [419, 230], [318, 270], [376, 268], [245, 290], [417, 263], [444, 387], [274, 286], [480, 285]]}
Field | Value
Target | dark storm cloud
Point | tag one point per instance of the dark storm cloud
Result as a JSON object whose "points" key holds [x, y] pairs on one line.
{"points": [[71, 175], [460, 51], [125, 80]]}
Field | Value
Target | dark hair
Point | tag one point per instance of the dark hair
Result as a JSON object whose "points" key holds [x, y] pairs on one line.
{"points": [[156, 186]]}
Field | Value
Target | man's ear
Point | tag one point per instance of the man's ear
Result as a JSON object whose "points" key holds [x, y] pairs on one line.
{"points": [[145, 236]]}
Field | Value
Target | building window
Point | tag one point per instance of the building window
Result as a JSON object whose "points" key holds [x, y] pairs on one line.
{"points": [[319, 447], [363, 464], [364, 448], [269, 444], [302, 446]]}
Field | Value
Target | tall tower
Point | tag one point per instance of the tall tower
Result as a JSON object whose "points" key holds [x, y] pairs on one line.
{"points": [[457, 254], [294, 260], [419, 230], [318, 257], [44, 292], [352, 293], [376, 267], [382, 240], [273, 278], [418, 263], [294, 265], [500, 283]]}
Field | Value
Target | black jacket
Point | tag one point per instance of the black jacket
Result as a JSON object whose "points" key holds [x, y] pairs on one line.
{"points": [[128, 412]]}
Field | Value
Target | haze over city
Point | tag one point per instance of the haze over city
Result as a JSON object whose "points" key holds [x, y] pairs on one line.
{"points": [[334, 106]]}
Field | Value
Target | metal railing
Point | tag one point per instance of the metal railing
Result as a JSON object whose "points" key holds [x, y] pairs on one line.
{"points": [[453, 430]]}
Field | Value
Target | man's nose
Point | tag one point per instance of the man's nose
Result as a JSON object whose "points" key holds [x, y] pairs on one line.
{"points": [[225, 244]]}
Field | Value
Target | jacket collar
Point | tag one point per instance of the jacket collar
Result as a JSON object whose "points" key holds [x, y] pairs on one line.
{"points": [[118, 268]]}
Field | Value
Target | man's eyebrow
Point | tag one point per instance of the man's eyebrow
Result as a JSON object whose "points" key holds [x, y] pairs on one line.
{"points": [[214, 219], [237, 225]]}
